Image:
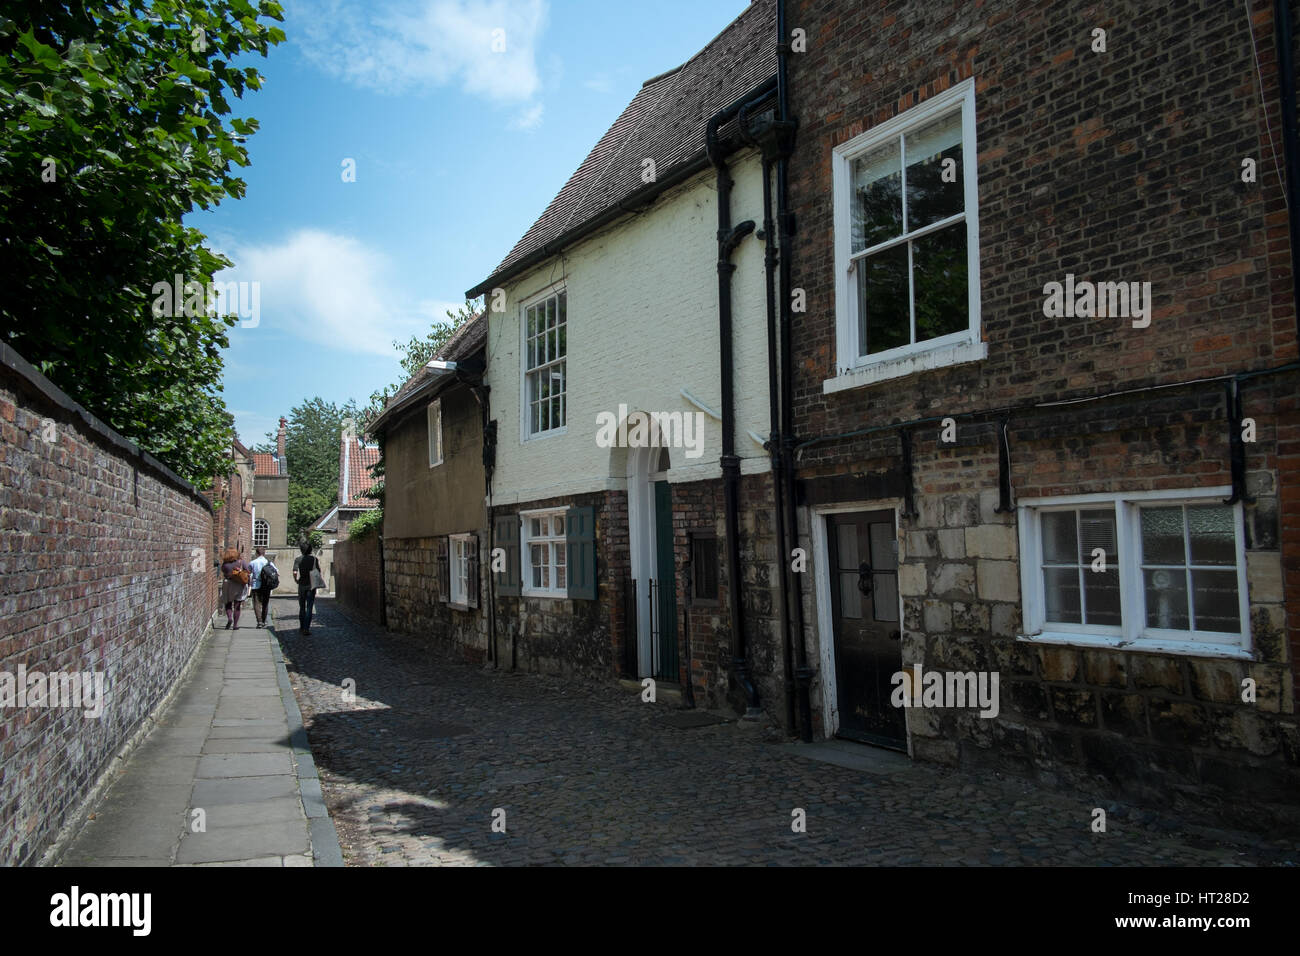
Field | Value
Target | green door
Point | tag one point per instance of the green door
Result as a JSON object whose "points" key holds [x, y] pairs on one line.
{"points": [[664, 589]]}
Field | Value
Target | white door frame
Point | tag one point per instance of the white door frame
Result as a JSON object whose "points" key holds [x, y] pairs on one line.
{"points": [[641, 547], [822, 589]]}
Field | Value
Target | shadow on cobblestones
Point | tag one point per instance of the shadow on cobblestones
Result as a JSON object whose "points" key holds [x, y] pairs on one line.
{"points": [[414, 768]]}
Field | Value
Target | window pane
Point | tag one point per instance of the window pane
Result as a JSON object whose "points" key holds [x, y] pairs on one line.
{"points": [[558, 524], [1213, 536], [563, 344], [942, 301], [1214, 598], [550, 313], [1060, 538], [850, 596], [929, 197], [537, 417], [1101, 596], [551, 353], [562, 307], [556, 421], [559, 577], [538, 525], [1061, 594], [1166, 597], [546, 576], [1162, 535], [531, 312], [884, 320], [883, 543], [884, 596], [1097, 530], [877, 196], [847, 537]]}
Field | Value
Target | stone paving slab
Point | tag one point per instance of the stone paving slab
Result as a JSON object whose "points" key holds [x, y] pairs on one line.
{"points": [[226, 747], [587, 774]]}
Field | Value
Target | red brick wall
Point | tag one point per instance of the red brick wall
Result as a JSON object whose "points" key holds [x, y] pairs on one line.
{"points": [[1115, 166], [104, 567], [356, 576]]}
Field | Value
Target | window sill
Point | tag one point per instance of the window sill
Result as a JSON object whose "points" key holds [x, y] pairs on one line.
{"points": [[539, 436], [1146, 645], [919, 361], [456, 606], [544, 594]]}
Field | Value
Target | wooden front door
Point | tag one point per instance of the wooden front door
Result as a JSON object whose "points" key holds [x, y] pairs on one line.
{"points": [[863, 565]]}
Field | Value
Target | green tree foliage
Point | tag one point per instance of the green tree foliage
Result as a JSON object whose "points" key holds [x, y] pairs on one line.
{"points": [[306, 505], [311, 445], [112, 119], [367, 524]]}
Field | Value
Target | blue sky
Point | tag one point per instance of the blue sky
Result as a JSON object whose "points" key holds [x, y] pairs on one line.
{"points": [[457, 150]]}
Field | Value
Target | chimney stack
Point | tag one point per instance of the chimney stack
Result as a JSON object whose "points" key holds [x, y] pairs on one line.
{"points": [[279, 438]]}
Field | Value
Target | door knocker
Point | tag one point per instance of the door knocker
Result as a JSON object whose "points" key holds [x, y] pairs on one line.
{"points": [[864, 579]]}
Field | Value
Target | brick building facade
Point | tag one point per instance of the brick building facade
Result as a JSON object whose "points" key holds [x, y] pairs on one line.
{"points": [[1122, 164]]}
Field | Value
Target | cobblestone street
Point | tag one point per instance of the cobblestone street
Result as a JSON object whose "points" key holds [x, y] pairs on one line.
{"points": [[586, 773]]}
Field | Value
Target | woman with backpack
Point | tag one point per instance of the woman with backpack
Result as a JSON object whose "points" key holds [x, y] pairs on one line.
{"points": [[235, 573], [306, 571]]}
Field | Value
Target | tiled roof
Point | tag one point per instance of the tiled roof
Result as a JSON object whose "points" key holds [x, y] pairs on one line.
{"points": [[359, 479], [665, 122], [468, 339], [266, 464]]}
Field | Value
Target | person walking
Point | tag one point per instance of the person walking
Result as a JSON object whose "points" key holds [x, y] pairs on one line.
{"points": [[262, 584], [235, 574], [306, 571]]}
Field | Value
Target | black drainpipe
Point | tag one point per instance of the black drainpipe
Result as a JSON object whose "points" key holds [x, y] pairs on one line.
{"points": [[803, 673], [729, 238], [764, 141], [1290, 143]]}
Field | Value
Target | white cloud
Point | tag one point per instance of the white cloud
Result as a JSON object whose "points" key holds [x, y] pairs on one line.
{"points": [[398, 45], [333, 290], [531, 118]]}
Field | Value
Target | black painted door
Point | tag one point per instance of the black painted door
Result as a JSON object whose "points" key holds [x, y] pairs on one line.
{"points": [[864, 599]]}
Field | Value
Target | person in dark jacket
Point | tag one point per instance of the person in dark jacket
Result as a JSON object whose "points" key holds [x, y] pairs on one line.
{"points": [[303, 566], [261, 589]]}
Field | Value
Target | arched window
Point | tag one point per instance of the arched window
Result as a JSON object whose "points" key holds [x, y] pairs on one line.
{"points": [[261, 533]]}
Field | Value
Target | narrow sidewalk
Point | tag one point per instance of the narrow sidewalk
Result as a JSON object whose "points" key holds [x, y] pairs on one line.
{"points": [[226, 778]]}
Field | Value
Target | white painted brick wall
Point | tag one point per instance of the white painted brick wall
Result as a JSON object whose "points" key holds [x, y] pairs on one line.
{"points": [[643, 325]]}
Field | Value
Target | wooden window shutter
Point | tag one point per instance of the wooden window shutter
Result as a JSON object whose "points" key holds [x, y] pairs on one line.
{"points": [[444, 572], [580, 535], [505, 535], [471, 596]]}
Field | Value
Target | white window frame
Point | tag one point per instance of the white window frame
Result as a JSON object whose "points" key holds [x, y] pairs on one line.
{"points": [[435, 432], [525, 399], [1133, 634], [258, 524], [854, 370], [458, 554], [526, 541]]}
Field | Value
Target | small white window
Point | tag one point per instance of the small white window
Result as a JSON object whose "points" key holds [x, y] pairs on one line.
{"points": [[546, 350], [1159, 570], [261, 533], [435, 432], [462, 547], [907, 243], [544, 553]]}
